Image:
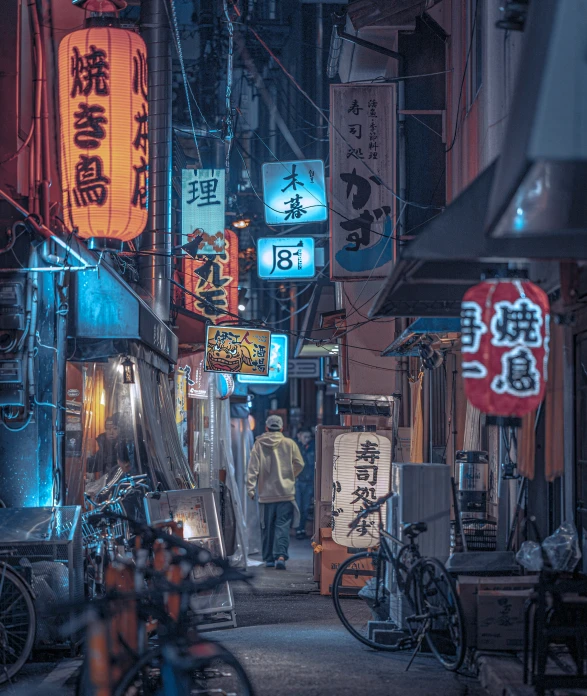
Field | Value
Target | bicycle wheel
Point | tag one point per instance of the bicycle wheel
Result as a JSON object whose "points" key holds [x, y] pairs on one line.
{"points": [[204, 668], [358, 604], [438, 600], [18, 622]]}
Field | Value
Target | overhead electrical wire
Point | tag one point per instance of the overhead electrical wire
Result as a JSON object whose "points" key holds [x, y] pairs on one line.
{"points": [[334, 128], [173, 25], [473, 25]]}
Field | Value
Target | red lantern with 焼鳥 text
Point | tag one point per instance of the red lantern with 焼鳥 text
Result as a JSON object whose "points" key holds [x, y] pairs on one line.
{"points": [[104, 134], [505, 334]]}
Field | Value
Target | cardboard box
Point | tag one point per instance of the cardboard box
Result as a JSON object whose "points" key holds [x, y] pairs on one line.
{"points": [[469, 587], [331, 556], [500, 619]]}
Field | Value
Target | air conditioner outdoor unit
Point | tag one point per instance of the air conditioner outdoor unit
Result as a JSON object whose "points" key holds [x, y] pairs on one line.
{"points": [[422, 495]]}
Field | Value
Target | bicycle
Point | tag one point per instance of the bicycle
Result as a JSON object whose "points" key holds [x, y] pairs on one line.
{"points": [[428, 591], [180, 661], [18, 622]]}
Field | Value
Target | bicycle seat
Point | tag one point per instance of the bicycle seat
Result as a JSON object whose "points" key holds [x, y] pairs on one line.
{"points": [[412, 530]]}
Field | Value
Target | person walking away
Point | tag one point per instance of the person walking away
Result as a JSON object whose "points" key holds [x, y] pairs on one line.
{"points": [[305, 481], [274, 464]]}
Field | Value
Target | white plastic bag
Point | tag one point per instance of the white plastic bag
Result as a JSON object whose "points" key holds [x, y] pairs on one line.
{"points": [[530, 556], [562, 548]]}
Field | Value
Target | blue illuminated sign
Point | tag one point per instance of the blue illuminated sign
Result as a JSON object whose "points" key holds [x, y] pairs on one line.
{"points": [[278, 354], [294, 192], [280, 258]]}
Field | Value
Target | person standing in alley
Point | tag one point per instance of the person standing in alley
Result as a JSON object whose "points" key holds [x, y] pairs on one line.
{"points": [[274, 465], [305, 481]]}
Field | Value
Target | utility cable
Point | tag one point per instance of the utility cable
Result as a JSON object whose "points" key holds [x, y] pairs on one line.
{"points": [[173, 25], [335, 128]]}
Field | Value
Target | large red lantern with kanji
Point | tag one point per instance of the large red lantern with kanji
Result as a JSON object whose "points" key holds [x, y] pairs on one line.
{"points": [[505, 334], [104, 134]]}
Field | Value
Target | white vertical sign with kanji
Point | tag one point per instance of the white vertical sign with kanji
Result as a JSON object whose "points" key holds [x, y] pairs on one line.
{"points": [[363, 205], [203, 208]]}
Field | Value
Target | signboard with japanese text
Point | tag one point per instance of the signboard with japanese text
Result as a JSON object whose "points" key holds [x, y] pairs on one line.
{"points": [[362, 149], [505, 334], [361, 474], [277, 364], [234, 349], [197, 380], [285, 258], [212, 282], [103, 109], [203, 208], [294, 192]]}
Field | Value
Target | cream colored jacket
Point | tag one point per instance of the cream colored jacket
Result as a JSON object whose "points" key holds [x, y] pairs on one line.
{"points": [[274, 465]]}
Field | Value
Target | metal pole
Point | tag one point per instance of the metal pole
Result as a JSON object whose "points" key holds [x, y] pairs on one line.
{"points": [[155, 270], [59, 385]]}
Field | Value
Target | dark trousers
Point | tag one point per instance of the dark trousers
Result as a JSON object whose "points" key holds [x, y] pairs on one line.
{"points": [[304, 495], [276, 519]]}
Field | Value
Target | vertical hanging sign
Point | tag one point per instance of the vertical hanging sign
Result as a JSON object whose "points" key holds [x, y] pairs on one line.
{"points": [[212, 280], [362, 149], [203, 208]]}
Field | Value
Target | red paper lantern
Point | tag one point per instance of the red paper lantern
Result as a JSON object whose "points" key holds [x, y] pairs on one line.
{"points": [[104, 134], [505, 330]]}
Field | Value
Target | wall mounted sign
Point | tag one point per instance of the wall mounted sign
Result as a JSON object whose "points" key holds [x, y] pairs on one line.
{"points": [[304, 368], [104, 133], [294, 192], [237, 350], [505, 332], [361, 474], [203, 208], [362, 152], [285, 258], [213, 281], [277, 363]]}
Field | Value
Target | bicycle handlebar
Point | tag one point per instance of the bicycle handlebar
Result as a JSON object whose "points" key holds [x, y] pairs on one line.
{"points": [[370, 509]]}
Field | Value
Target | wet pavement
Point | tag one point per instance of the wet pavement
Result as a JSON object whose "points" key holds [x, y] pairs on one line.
{"points": [[291, 642]]}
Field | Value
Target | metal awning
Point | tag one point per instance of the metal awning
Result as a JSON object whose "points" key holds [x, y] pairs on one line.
{"points": [[452, 253], [538, 193], [443, 330], [106, 307]]}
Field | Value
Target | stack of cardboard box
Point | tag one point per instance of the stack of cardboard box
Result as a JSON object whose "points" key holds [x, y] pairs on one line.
{"points": [[494, 610]]}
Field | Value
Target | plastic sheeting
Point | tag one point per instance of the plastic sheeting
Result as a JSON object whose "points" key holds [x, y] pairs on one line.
{"points": [[222, 408], [156, 430], [242, 443]]}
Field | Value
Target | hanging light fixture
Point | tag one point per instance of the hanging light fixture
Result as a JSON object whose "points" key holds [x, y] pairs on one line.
{"points": [[241, 222], [128, 371]]}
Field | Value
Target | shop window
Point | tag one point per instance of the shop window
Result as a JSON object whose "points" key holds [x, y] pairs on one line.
{"points": [[114, 426]]}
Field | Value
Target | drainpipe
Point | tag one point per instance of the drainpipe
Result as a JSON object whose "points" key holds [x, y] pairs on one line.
{"points": [[155, 268]]}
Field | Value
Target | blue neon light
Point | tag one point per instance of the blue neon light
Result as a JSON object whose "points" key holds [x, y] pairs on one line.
{"points": [[294, 192], [285, 258], [278, 354]]}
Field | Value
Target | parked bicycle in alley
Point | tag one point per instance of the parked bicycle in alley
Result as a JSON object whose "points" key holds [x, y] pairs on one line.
{"points": [[420, 589], [141, 635]]}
